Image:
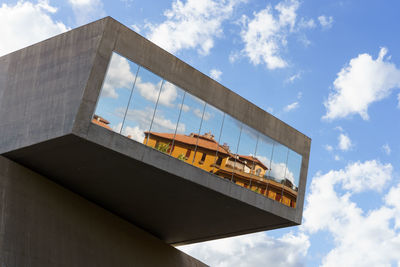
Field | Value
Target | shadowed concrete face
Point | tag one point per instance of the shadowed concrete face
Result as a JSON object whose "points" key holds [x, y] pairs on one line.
{"points": [[48, 95], [43, 224]]}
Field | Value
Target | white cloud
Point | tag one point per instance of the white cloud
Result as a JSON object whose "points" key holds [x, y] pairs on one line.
{"points": [[360, 238], [326, 22], [344, 142], [294, 77], [303, 23], [325, 208], [386, 149], [252, 250], [160, 124], [266, 34], [328, 148], [361, 83], [134, 133], [277, 170], [151, 92], [136, 28], [393, 200], [291, 107], [337, 157], [119, 76], [192, 25], [199, 113], [87, 10], [25, 23], [215, 74], [185, 108]]}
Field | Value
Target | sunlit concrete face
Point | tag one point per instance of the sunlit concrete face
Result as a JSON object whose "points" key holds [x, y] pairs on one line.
{"points": [[150, 138]]}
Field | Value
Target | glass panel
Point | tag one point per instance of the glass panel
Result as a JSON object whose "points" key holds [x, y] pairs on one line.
{"points": [[293, 176], [227, 151], [278, 171], [209, 138], [187, 133], [115, 93], [265, 149], [141, 108], [165, 122], [246, 162]]}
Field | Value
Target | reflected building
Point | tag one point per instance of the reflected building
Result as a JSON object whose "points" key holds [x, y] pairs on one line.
{"points": [[113, 151], [204, 152]]}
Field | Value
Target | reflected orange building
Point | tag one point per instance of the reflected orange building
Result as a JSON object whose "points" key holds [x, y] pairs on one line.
{"points": [[101, 122], [204, 152]]}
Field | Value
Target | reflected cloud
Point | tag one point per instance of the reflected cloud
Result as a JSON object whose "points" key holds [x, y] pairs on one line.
{"points": [[199, 113], [151, 91], [119, 76], [278, 170], [160, 123]]}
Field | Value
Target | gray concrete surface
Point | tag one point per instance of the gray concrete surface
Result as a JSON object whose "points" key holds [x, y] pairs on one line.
{"points": [[44, 225], [41, 86], [49, 93]]}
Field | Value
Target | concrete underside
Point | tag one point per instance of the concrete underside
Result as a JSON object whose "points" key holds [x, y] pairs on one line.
{"points": [[158, 201], [42, 224]]}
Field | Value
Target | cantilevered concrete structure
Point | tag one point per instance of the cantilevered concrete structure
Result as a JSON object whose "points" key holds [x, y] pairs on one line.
{"points": [[74, 193]]}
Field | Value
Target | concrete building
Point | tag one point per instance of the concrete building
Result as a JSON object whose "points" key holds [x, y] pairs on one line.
{"points": [[76, 190]]}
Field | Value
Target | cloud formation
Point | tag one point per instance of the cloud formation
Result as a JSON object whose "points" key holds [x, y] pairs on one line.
{"points": [[362, 82], [191, 25], [33, 20], [344, 142], [386, 148], [258, 250], [215, 74], [360, 238], [326, 22], [266, 33], [291, 107], [151, 92], [119, 76]]}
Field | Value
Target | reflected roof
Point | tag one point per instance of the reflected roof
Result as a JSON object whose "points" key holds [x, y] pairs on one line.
{"points": [[206, 141]]}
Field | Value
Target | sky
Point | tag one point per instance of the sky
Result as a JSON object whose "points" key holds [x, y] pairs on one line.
{"points": [[330, 69]]}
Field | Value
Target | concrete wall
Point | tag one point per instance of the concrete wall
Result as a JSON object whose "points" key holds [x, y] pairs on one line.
{"points": [[43, 224], [41, 86]]}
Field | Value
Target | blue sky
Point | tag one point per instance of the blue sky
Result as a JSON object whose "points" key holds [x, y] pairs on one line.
{"points": [[331, 69]]}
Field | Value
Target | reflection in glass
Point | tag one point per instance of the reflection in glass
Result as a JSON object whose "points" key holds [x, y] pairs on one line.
{"points": [[278, 170], [115, 93], [246, 164], [140, 113], [210, 136], [165, 122], [227, 148], [141, 105], [293, 176]]}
